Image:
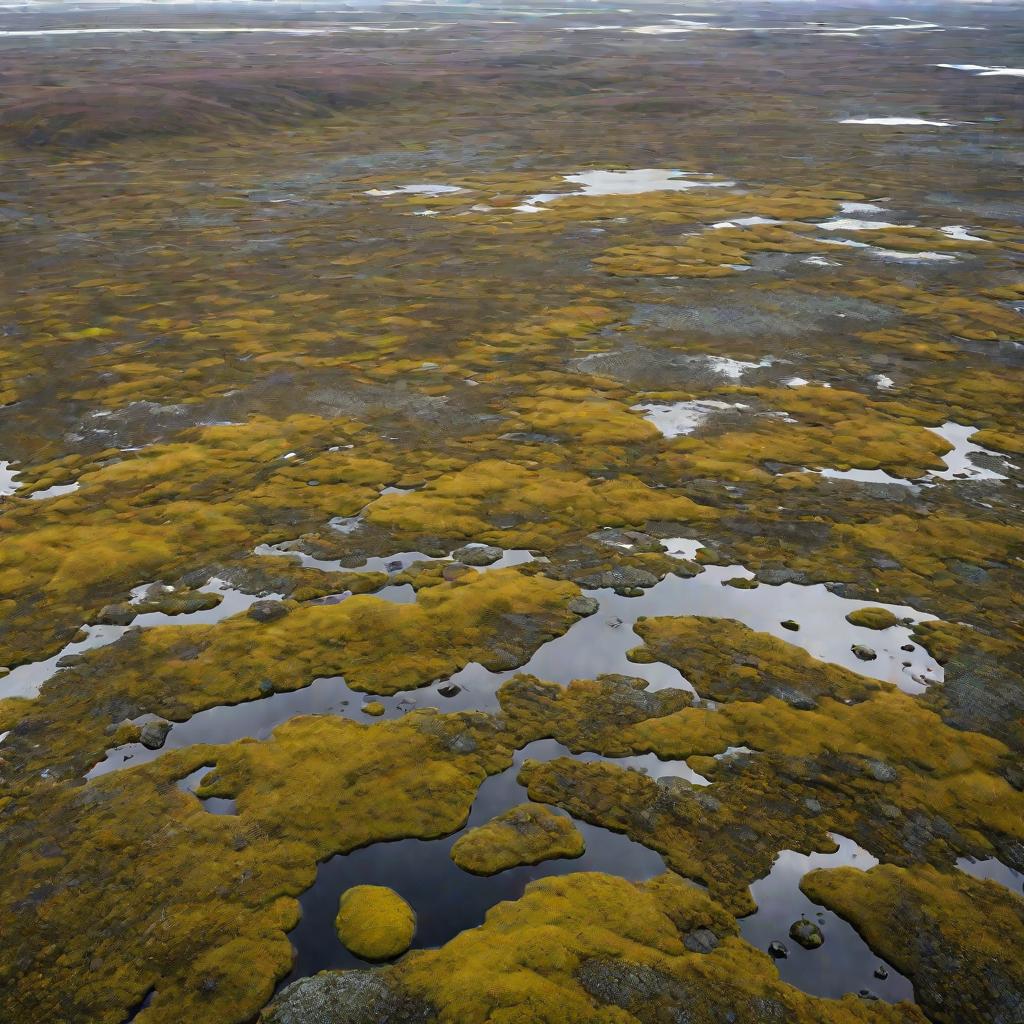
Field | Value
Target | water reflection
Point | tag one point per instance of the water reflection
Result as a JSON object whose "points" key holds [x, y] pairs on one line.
{"points": [[844, 963]]}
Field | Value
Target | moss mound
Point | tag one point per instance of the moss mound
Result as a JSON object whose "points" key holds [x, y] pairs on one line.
{"points": [[872, 618], [527, 834], [374, 922]]}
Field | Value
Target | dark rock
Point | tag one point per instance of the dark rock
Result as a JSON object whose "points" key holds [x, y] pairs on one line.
{"points": [[583, 605], [702, 940], [449, 690], [885, 563], [626, 577], [267, 611], [790, 624], [266, 687], [881, 973], [455, 571], [117, 614], [882, 772], [777, 951], [477, 554], [807, 933], [154, 734], [776, 577], [346, 997], [626, 984], [863, 653], [794, 698]]}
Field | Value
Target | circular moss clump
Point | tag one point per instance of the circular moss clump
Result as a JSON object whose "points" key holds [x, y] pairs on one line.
{"points": [[374, 708], [374, 922], [872, 618]]}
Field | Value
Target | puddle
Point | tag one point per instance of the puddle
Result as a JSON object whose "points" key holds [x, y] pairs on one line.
{"points": [[745, 222], [863, 476], [995, 871], [414, 190], [861, 208], [984, 70], [679, 418], [213, 804], [593, 646], [26, 680], [256, 719], [624, 183], [8, 485], [398, 562], [55, 491], [598, 644], [854, 224], [897, 121], [843, 963], [734, 368], [448, 900], [959, 465], [888, 254], [960, 233]]}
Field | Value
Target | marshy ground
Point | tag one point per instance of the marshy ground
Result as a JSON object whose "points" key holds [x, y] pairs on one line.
{"points": [[560, 463]]}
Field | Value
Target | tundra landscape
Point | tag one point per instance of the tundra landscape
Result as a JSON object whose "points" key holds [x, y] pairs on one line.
{"points": [[511, 512]]}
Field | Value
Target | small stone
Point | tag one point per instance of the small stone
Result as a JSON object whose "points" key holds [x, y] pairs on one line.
{"points": [[477, 554], [374, 708], [702, 940], [454, 571], [583, 605], [814, 806], [865, 993], [777, 951], [463, 743], [882, 771], [907, 647], [881, 973], [790, 624], [266, 687], [863, 653], [807, 933], [154, 734], [117, 614], [395, 565], [267, 611], [449, 690]]}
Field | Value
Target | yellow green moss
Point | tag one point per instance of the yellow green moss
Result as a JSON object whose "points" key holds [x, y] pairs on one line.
{"points": [[525, 834], [957, 938], [374, 922], [872, 618]]}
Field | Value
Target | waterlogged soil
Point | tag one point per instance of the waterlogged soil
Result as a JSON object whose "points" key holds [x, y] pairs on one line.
{"points": [[422, 423]]}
